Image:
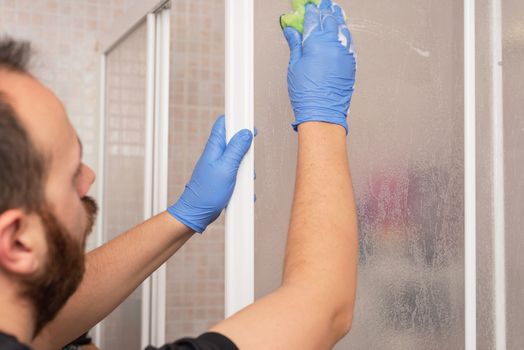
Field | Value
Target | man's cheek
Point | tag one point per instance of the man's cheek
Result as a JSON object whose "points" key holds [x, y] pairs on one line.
{"points": [[77, 220]]}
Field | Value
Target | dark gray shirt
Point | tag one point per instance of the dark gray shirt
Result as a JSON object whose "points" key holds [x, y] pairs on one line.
{"points": [[207, 341]]}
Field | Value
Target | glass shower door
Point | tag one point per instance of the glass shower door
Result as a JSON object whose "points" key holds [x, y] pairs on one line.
{"points": [[406, 153], [513, 105], [123, 199]]}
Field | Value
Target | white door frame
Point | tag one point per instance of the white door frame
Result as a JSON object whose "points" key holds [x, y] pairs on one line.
{"points": [[497, 173], [470, 240], [160, 167], [239, 235]]}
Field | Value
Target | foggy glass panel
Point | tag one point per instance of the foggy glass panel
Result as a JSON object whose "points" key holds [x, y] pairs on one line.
{"points": [[513, 74], [195, 274], [124, 169], [485, 194], [406, 155]]}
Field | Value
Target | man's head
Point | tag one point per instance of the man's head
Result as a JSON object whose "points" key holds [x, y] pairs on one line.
{"points": [[45, 214]]}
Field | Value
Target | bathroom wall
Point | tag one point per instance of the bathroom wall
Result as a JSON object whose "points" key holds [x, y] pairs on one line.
{"points": [[406, 153]]}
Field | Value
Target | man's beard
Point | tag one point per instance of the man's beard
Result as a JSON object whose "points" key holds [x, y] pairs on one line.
{"points": [[60, 278]]}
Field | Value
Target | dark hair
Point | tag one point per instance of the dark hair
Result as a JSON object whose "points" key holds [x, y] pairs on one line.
{"points": [[21, 165], [14, 54]]}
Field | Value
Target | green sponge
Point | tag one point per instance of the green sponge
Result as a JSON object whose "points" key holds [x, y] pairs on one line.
{"points": [[296, 18]]}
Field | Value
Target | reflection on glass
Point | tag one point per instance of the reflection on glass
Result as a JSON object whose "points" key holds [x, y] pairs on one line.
{"points": [[124, 164], [410, 257]]}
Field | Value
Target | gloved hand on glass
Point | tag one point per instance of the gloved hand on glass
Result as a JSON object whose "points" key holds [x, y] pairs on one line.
{"points": [[213, 180], [322, 66]]}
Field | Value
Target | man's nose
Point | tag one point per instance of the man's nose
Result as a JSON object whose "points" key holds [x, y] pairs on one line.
{"points": [[91, 176]]}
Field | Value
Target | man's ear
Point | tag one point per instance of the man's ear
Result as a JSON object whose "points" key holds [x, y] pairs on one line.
{"points": [[22, 242]]}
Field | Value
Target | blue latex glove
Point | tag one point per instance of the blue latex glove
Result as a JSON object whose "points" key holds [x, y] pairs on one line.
{"points": [[322, 66], [213, 180]]}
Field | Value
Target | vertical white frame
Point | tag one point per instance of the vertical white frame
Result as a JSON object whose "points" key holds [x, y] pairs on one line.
{"points": [[148, 165], [142, 11], [470, 241], [99, 240], [497, 129], [160, 186], [239, 230]]}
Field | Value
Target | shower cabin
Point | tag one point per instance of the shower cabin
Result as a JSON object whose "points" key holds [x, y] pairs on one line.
{"points": [[435, 147]]}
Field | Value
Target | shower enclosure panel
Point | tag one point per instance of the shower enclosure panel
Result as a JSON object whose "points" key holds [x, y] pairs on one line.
{"points": [[124, 168], [133, 156], [184, 88], [406, 152], [513, 146]]}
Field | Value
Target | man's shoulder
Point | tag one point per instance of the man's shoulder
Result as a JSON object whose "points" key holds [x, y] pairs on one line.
{"points": [[206, 341]]}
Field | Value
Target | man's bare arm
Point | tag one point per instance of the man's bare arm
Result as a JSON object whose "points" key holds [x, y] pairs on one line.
{"points": [[313, 307], [113, 271]]}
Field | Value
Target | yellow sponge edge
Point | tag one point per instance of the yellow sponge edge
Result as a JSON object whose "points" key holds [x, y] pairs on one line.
{"points": [[295, 19]]}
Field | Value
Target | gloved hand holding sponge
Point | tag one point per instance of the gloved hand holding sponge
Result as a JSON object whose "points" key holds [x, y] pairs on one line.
{"points": [[321, 76], [322, 66]]}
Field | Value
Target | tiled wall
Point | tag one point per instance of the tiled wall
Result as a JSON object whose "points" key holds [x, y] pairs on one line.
{"points": [[195, 283]]}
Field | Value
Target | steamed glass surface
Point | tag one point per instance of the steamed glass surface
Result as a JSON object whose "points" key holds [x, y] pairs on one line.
{"points": [[195, 274], [124, 170], [406, 154], [485, 195], [513, 104]]}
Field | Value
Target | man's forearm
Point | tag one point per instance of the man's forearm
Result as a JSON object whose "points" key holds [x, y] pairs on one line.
{"points": [[322, 243], [313, 307], [113, 271]]}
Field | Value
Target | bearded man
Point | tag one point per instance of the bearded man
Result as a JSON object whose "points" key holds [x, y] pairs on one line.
{"points": [[51, 292]]}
